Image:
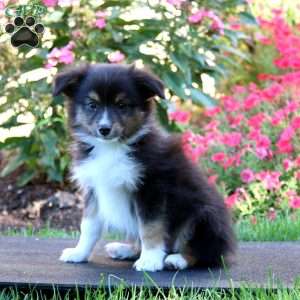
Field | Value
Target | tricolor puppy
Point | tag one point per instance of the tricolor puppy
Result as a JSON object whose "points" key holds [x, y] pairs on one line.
{"points": [[135, 177]]}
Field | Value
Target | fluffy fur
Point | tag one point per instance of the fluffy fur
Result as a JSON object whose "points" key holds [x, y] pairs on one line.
{"points": [[136, 178]]}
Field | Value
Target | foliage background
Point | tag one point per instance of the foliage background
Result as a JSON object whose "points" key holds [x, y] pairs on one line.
{"points": [[152, 33]]}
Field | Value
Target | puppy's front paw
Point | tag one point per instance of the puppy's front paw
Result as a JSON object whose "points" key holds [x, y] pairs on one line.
{"points": [[120, 250], [150, 264], [73, 255], [176, 261]]}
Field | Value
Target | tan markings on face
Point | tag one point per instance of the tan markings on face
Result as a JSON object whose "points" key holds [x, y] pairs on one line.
{"points": [[134, 123], [94, 96], [152, 234]]}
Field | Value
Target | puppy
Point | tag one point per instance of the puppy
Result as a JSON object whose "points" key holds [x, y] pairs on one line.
{"points": [[135, 177]]}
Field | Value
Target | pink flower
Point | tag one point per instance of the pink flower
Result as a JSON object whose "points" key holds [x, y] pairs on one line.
{"points": [[247, 175], [263, 141], [218, 157], [251, 101], [176, 3], [100, 23], [261, 153], [193, 145], [235, 120], [231, 200], [211, 112], [216, 22], [287, 164], [232, 139], [50, 3], [212, 179], [116, 57], [2, 5], [294, 202], [180, 116], [295, 123], [271, 215], [230, 104], [100, 19], [76, 34], [197, 17], [284, 144], [256, 120], [61, 55], [270, 179]]}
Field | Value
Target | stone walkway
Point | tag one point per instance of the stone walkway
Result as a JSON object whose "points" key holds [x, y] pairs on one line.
{"points": [[34, 262]]}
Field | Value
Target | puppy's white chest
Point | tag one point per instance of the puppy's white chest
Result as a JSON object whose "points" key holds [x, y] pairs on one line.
{"points": [[113, 175]]}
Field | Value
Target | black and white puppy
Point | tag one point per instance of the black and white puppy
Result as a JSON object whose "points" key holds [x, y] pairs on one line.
{"points": [[135, 177]]}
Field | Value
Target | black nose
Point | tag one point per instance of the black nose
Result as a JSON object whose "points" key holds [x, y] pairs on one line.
{"points": [[104, 131]]}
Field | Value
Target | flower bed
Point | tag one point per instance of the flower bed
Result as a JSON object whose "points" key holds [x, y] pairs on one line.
{"points": [[249, 144]]}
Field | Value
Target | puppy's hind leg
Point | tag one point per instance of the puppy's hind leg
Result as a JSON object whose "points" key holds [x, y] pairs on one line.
{"points": [[91, 228]]}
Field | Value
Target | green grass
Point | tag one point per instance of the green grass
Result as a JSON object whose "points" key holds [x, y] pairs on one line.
{"points": [[122, 293], [283, 228], [46, 232]]}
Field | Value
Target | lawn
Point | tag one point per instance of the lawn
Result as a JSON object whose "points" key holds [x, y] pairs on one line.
{"points": [[283, 228], [122, 292]]}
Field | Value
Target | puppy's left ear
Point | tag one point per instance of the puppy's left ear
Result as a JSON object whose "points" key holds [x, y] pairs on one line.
{"points": [[148, 84]]}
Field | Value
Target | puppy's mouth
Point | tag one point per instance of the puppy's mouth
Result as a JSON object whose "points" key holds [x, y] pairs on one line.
{"points": [[108, 139], [107, 134]]}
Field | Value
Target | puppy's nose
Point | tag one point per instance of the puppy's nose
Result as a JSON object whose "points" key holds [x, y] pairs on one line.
{"points": [[104, 130]]}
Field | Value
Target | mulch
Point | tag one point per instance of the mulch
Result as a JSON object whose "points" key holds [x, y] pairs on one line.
{"points": [[38, 204]]}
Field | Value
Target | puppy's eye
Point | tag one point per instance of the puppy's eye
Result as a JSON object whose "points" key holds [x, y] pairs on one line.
{"points": [[92, 105]]}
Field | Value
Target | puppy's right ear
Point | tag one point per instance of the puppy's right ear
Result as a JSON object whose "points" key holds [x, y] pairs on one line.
{"points": [[68, 80]]}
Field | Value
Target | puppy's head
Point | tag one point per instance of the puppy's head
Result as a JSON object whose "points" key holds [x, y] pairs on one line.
{"points": [[106, 101]]}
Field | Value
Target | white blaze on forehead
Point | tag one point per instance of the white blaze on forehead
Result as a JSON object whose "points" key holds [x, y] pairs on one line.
{"points": [[105, 121]]}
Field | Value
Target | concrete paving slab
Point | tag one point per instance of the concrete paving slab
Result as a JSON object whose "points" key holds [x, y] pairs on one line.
{"points": [[34, 262]]}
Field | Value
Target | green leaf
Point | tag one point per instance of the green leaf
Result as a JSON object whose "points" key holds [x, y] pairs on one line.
{"points": [[234, 51], [174, 83], [200, 98], [13, 142], [183, 64], [247, 18], [109, 3], [162, 113], [11, 122], [12, 165], [26, 177]]}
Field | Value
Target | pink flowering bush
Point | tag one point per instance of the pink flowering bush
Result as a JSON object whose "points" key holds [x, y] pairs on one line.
{"points": [[249, 144]]}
